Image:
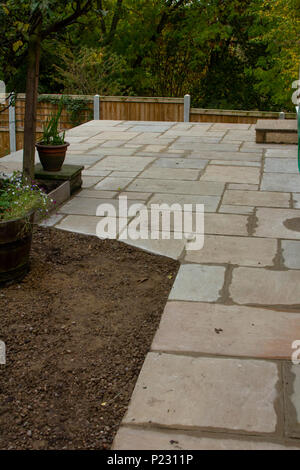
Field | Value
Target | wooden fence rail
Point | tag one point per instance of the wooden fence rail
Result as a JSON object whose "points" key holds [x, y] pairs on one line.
{"points": [[120, 108]]}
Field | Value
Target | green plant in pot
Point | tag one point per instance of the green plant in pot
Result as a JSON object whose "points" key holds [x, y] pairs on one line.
{"points": [[52, 148], [19, 202]]}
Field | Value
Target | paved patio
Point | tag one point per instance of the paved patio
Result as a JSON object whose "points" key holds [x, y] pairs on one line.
{"points": [[219, 374]]}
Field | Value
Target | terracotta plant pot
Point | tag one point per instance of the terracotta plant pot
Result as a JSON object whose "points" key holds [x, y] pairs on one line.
{"points": [[52, 157], [15, 244]]}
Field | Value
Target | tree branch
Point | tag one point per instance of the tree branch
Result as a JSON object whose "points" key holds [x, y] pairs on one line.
{"points": [[114, 22], [55, 27], [99, 10], [168, 10]]}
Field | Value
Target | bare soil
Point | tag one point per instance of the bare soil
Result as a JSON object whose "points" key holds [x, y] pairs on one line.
{"points": [[77, 330]]}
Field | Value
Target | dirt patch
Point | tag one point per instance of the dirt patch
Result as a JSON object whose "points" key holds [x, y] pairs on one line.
{"points": [[77, 330]]}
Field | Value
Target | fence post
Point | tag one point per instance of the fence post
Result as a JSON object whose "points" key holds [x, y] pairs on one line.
{"points": [[187, 108], [12, 124], [96, 107]]}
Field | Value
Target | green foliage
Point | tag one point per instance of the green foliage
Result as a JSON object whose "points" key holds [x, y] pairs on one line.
{"points": [[91, 71], [51, 133], [75, 107], [277, 28], [229, 54], [18, 198], [20, 19]]}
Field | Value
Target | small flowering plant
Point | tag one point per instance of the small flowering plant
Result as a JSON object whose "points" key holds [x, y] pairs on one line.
{"points": [[18, 198]]}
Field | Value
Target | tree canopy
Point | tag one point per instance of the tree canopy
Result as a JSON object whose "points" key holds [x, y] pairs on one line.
{"points": [[229, 54]]}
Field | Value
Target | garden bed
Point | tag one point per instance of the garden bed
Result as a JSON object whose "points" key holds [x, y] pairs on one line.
{"points": [[77, 330]]}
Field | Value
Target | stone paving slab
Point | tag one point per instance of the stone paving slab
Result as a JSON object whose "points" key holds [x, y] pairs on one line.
{"points": [[89, 205], [231, 174], [79, 159], [175, 154], [170, 248], [112, 144], [86, 225], [189, 163], [291, 253], [159, 128], [281, 182], [162, 221], [82, 147], [259, 286], [203, 146], [292, 397], [89, 181], [235, 163], [226, 330], [227, 125], [111, 151], [117, 134], [229, 209], [96, 173], [170, 174], [203, 188], [16, 157], [79, 224], [114, 183], [124, 174], [206, 393], [52, 220], [281, 165], [296, 200], [123, 163], [240, 135], [243, 187], [225, 224], [268, 146], [8, 167], [278, 223], [97, 194], [241, 251], [227, 156], [198, 283], [136, 196], [193, 141], [210, 202], [149, 439], [282, 152], [257, 198]]}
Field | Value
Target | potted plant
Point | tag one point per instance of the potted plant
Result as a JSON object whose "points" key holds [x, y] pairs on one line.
{"points": [[19, 201], [52, 148]]}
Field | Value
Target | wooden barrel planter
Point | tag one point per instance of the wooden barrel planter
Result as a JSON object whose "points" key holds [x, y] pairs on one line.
{"points": [[15, 244]]}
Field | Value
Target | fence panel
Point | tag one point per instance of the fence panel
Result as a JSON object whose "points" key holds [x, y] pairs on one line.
{"points": [[119, 108]]}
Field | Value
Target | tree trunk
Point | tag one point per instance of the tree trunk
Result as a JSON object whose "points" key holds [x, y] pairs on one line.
{"points": [[34, 49]]}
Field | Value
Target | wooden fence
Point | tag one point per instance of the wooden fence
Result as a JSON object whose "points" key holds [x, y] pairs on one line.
{"points": [[80, 109]]}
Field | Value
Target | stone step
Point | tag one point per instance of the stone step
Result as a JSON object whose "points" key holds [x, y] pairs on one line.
{"points": [[277, 131]]}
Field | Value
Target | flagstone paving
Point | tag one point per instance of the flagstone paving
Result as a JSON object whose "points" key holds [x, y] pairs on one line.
{"points": [[216, 329], [219, 374], [246, 252], [181, 391], [198, 283], [257, 198]]}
